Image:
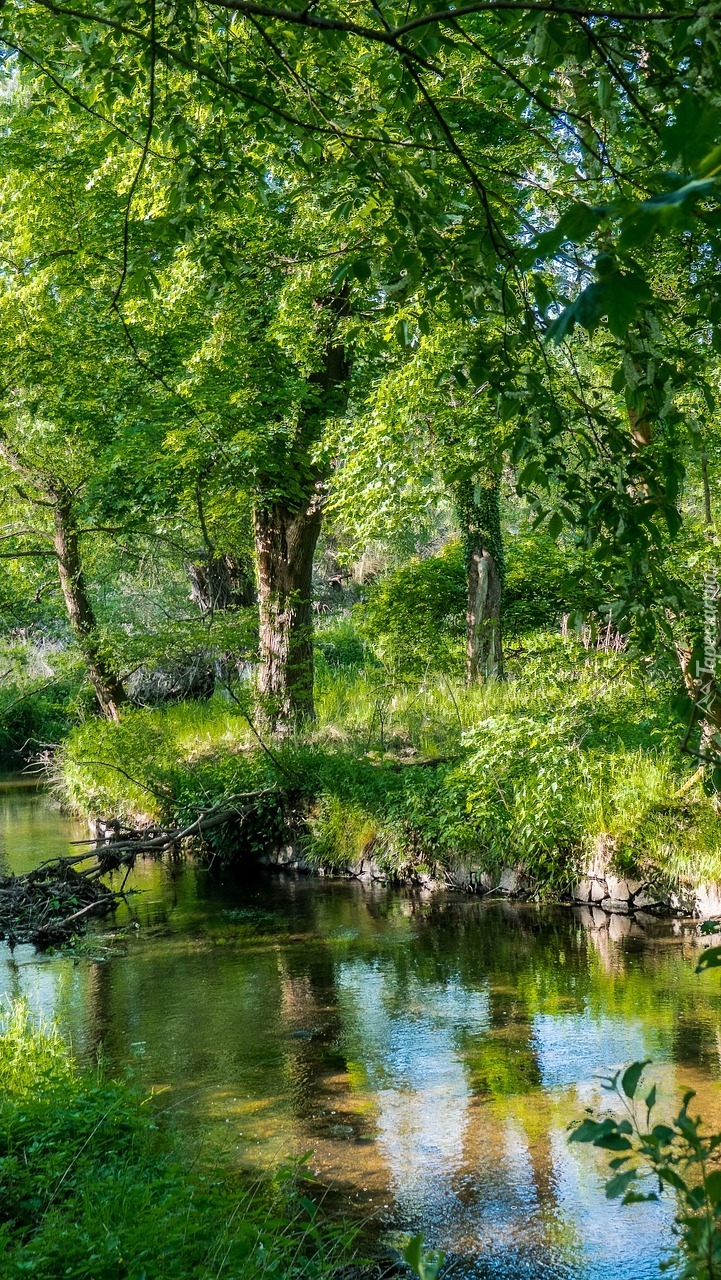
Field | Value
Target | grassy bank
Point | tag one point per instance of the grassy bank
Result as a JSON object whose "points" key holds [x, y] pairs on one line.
{"points": [[419, 772], [92, 1186]]}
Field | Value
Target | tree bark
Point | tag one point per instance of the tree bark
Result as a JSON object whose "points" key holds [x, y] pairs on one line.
{"points": [[106, 683], [285, 545], [702, 688], [478, 507], [286, 534], [484, 649]]}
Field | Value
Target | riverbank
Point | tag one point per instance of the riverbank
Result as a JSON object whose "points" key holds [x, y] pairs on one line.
{"points": [[414, 1042], [93, 1183], [425, 780]]}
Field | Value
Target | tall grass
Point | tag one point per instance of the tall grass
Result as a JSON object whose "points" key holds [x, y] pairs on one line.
{"points": [[93, 1186], [529, 771]]}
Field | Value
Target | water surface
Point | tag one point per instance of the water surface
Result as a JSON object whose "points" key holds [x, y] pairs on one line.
{"points": [[431, 1050]]}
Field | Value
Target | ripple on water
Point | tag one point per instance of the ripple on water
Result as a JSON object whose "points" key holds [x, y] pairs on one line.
{"points": [[430, 1051]]}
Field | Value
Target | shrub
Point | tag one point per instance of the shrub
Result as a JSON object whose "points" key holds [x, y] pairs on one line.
{"points": [[415, 617], [522, 784], [38, 712], [544, 581], [340, 644]]}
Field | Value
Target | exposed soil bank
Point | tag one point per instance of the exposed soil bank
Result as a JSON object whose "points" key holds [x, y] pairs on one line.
{"points": [[277, 829], [599, 887]]}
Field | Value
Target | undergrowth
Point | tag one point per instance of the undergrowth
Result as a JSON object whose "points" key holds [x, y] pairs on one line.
{"points": [[93, 1187], [42, 695], [419, 772]]}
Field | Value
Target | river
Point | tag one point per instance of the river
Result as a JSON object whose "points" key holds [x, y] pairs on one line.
{"points": [[429, 1049]]}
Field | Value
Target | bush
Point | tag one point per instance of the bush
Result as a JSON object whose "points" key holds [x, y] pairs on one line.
{"points": [[522, 785], [44, 693], [415, 618], [340, 644], [544, 581]]}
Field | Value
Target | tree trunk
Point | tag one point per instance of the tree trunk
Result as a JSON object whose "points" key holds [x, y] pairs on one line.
{"points": [[478, 507], [285, 544], [286, 534], [484, 652], [107, 685], [702, 688]]}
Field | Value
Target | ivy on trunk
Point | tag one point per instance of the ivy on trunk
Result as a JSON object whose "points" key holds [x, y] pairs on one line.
{"points": [[478, 507], [106, 683]]}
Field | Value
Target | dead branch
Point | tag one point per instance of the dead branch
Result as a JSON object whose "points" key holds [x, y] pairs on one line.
{"points": [[51, 903]]}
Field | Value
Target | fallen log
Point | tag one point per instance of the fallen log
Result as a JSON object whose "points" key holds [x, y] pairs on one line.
{"points": [[112, 853]]}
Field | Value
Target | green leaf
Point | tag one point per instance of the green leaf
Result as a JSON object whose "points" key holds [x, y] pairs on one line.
{"points": [[341, 273], [710, 959], [587, 311], [631, 1077], [575, 225], [613, 1142], [508, 408], [555, 525], [361, 269], [694, 133], [711, 164], [619, 1184], [587, 1131], [403, 333], [413, 1253], [541, 293], [426, 1265], [529, 473], [624, 296], [674, 1179]]}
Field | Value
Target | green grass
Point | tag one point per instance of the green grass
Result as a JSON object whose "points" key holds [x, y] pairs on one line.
{"points": [[572, 746], [93, 1187]]}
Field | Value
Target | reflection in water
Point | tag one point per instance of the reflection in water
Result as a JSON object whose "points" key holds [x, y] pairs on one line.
{"points": [[405, 1034], [31, 827], [430, 1050]]}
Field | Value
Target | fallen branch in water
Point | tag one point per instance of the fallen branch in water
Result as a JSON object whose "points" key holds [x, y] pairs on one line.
{"points": [[113, 853], [44, 905], [48, 905]]}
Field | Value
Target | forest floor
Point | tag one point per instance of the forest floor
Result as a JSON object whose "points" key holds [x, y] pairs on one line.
{"points": [[419, 772]]}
